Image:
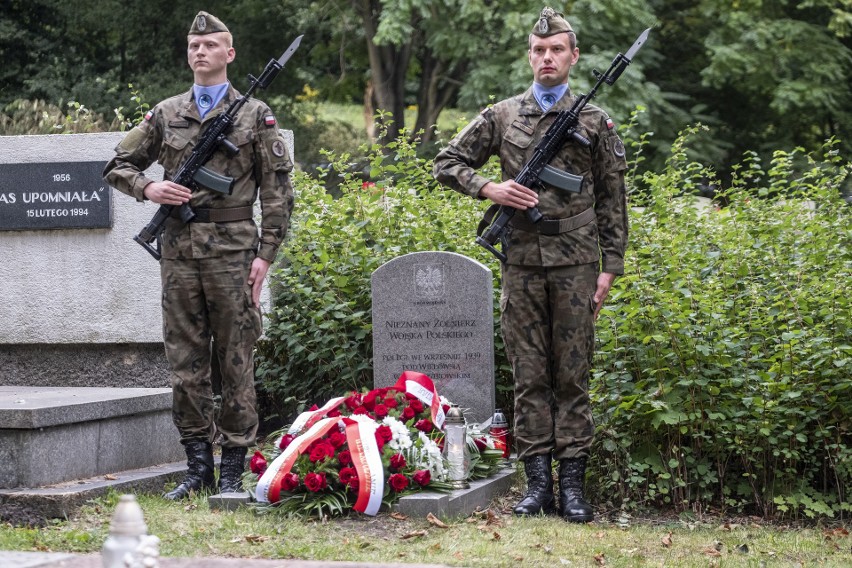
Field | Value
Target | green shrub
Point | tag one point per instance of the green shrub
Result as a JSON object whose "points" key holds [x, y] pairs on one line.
{"points": [[318, 342], [724, 370]]}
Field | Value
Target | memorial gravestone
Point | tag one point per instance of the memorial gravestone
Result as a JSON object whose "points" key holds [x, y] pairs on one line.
{"points": [[433, 312]]}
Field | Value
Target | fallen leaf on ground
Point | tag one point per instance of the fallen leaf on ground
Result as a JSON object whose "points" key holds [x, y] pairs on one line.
{"points": [[110, 477], [711, 551], [399, 516], [667, 540], [496, 536], [413, 534], [256, 538], [436, 521], [600, 559]]}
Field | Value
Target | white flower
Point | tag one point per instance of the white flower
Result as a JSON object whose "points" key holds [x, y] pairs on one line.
{"points": [[401, 439]]}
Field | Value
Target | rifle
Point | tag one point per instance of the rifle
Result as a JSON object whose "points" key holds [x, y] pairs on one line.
{"points": [[537, 170], [192, 172]]}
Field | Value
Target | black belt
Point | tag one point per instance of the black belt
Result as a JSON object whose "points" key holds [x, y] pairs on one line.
{"points": [[224, 215], [553, 226]]}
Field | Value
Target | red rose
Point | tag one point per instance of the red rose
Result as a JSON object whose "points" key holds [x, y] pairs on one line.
{"points": [[445, 408], [353, 402], [391, 402], [348, 476], [337, 438], [360, 410], [397, 462], [286, 440], [398, 482], [344, 457], [422, 477], [257, 464], [416, 405], [410, 396], [407, 413], [321, 451], [424, 425], [381, 411], [315, 482], [481, 444], [384, 433], [290, 482]]}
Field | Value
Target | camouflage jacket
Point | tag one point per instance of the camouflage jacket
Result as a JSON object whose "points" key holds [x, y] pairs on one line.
{"points": [[511, 129], [168, 134]]}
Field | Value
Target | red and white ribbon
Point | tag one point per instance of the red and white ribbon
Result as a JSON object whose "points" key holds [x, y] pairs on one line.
{"points": [[309, 417], [423, 388], [367, 459], [361, 438]]}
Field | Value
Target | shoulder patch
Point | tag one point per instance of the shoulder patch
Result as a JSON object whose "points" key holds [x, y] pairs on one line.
{"points": [[269, 120], [148, 115], [618, 148]]}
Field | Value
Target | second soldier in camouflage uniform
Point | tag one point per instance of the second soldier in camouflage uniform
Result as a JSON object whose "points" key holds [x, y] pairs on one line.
{"points": [[212, 268], [559, 271]]}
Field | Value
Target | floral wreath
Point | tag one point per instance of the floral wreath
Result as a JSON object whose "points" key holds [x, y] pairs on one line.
{"points": [[363, 451]]}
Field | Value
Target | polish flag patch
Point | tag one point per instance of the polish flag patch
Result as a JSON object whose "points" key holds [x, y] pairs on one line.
{"points": [[269, 120], [610, 124], [148, 115]]}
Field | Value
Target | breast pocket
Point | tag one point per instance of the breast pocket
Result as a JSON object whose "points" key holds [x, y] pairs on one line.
{"points": [[516, 148], [237, 166], [176, 146]]}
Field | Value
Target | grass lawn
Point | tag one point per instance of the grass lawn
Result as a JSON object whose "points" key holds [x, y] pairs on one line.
{"points": [[492, 538]]}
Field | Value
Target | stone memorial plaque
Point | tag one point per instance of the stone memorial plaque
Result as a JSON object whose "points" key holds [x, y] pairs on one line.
{"points": [[433, 312], [56, 195]]}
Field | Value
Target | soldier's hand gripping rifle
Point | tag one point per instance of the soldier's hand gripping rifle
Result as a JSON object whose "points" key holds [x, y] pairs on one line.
{"points": [[537, 170], [193, 173]]}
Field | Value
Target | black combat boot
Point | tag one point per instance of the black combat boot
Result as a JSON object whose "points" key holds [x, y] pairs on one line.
{"points": [[199, 472], [572, 506], [231, 470], [539, 496]]}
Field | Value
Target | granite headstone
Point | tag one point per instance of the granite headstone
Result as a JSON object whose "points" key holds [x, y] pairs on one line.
{"points": [[433, 312]]}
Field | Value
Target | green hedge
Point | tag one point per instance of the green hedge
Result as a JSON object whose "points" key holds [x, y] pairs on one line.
{"points": [[722, 378]]}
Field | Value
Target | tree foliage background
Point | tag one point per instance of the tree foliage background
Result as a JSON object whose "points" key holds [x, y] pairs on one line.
{"points": [[763, 74]]}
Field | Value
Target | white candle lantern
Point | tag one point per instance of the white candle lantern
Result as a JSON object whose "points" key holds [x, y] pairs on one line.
{"points": [[456, 451]]}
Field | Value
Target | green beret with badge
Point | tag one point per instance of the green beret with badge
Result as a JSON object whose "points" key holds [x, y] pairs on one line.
{"points": [[550, 22], [205, 23]]}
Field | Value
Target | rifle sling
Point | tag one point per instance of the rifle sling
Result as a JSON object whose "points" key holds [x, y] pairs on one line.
{"points": [[224, 215], [554, 226]]}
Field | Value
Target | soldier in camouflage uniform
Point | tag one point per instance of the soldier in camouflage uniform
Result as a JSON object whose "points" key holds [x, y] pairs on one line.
{"points": [[212, 268], [559, 271]]}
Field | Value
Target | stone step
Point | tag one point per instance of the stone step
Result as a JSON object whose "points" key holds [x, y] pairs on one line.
{"points": [[62, 500], [51, 435]]}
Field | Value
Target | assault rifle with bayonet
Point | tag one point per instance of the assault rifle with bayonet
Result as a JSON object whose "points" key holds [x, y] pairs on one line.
{"points": [[494, 227], [192, 172]]}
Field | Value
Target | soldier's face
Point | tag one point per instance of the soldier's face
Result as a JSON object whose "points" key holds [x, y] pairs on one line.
{"points": [[551, 59], [208, 57]]}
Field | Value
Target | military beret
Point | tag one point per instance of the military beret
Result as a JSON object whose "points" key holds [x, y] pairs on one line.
{"points": [[550, 22], [205, 23]]}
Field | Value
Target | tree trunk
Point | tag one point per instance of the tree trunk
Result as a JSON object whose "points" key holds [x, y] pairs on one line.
{"points": [[438, 86], [388, 66]]}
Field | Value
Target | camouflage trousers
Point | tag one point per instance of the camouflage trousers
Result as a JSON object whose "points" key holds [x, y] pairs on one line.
{"points": [[549, 330], [207, 302]]}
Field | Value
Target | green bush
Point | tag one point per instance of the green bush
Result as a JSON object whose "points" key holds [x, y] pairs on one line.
{"points": [[319, 338], [724, 370]]}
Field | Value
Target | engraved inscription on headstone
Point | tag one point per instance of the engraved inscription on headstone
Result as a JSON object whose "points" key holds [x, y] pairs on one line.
{"points": [[433, 312], [57, 195]]}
